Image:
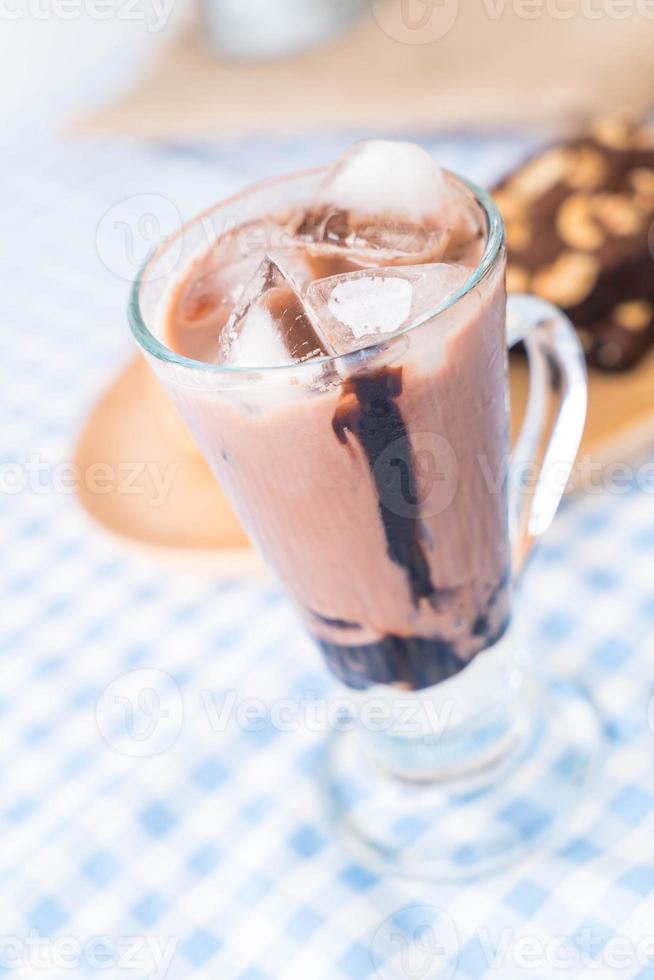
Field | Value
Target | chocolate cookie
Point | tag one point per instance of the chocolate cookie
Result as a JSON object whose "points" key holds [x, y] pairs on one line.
{"points": [[580, 232]]}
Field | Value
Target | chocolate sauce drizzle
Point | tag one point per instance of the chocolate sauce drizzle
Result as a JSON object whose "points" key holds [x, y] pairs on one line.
{"points": [[412, 661], [334, 623], [367, 410]]}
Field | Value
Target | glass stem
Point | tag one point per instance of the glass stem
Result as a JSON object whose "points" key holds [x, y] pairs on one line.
{"points": [[460, 729]]}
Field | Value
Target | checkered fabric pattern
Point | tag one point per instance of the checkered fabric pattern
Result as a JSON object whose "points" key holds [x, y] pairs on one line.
{"points": [[201, 850]]}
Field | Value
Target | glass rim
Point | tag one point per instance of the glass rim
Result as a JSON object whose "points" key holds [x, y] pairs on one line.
{"points": [[155, 347]]}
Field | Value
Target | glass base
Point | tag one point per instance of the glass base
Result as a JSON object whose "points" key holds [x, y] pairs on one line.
{"points": [[468, 823]]}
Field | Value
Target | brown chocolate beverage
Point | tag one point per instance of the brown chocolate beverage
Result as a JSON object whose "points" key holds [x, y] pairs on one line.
{"points": [[359, 424]]}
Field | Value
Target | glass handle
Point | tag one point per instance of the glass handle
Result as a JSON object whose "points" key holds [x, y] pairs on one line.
{"points": [[558, 395]]}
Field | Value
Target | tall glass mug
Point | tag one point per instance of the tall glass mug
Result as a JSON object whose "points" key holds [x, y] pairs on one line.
{"points": [[378, 486]]}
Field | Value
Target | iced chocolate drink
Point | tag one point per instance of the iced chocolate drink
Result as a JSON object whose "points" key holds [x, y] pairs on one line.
{"points": [[336, 343], [357, 415]]}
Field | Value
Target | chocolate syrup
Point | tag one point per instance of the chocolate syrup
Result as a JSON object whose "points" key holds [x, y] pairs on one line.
{"points": [[408, 661], [374, 419]]}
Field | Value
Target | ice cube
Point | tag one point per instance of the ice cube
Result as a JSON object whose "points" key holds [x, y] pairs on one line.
{"points": [[212, 288], [386, 178], [363, 307], [270, 325], [330, 235], [388, 203], [215, 282]]}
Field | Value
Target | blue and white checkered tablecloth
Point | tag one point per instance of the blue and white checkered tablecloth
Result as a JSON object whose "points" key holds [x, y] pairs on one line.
{"points": [[201, 851]]}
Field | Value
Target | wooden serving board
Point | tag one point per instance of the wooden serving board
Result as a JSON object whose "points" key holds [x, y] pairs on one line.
{"points": [[133, 423], [134, 427]]}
